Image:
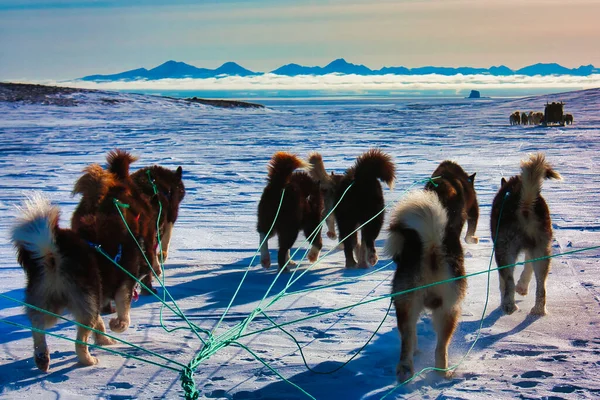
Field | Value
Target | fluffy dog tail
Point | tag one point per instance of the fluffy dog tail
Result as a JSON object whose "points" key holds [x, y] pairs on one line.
{"points": [[533, 172], [34, 234], [422, 212], [93, 184], [119, 162], [281, 167], [317, 169], [375, 164]]}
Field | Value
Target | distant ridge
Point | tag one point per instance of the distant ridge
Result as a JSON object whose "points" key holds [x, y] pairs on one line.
{"points": [[178, 70]]}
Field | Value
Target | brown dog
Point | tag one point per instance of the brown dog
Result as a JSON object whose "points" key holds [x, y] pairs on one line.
{"points": [[359, 204], [456, 191], [301, 208], [65, 271], [95, 186], [520, 222]]}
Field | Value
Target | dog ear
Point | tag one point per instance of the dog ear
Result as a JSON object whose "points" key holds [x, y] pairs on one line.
{"points": [[502, 182], [179, 172], [472, 178]]}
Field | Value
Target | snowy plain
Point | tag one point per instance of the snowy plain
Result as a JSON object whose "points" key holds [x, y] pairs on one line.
{"points": [[224, 154]]}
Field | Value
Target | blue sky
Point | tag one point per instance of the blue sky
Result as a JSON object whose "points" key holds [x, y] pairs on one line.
{"points": [[64, 39]]}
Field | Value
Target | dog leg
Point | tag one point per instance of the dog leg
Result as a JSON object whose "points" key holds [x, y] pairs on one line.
{"points": [[507, 282], [265, 257], [99, 338], [369, 233], [123, 304], [82, 351], [40, 321], [472, 218], [349, 244], [444, 322], [286, 241], [317, 241], [331, 227], [523, 284], [165, 240], [361, 254], [407, 313], [541, 268]]}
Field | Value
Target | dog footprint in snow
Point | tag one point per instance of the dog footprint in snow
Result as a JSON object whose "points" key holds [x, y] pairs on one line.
{"points": [[526, 384], [536, 374]]}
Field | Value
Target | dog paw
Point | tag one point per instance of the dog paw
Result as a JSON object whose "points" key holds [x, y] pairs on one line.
{"points": [[538, 311], [331, 235], [88, 360], [445, 374], [372, 258], [118, 325], [363, 265], [472, 239], [403, 372], [340, 246], [42, 360], [164, 254], [265, 262], [102, 340], [521, 289], [313, 254], [509, 308]]}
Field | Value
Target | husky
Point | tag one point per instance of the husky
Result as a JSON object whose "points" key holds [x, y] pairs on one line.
{"points": [[456, 191], [520, 222], [301, 208], [65, 271], [95, 185], [165, 202], [426, 249], [359, 204], [170, 193]]}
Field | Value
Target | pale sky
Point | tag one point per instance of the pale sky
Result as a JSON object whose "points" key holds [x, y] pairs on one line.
{"points": [[65, 39]]}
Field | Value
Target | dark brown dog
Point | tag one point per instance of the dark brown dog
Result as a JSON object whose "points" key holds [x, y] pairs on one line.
{"points": [[64, 270], [359, 204], [520, 222], [456, 191], [301, 208], [95, 186], [170, 191]]}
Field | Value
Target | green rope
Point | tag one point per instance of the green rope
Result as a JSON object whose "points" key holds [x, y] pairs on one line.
{"points": [[83, 326], [232, 335]]}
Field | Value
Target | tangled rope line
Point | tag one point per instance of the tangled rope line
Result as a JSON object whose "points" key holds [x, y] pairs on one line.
{"points": [[212, 341]]}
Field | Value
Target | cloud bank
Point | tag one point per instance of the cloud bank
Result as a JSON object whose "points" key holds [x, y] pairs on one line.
{"points": [[347, 83]]}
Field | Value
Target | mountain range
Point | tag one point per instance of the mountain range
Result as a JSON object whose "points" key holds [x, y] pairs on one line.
{"points": [[177, 70]]}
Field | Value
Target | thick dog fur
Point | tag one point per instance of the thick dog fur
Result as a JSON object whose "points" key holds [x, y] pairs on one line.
{"points": [[520, 222], [456, 191], [99, 186], [327, 184], [301, 208], [360, 203], [170, 193], [65, 272], [426, 249]]}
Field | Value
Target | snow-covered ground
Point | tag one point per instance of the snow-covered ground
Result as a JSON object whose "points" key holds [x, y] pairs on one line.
{"points": [[224, 154]]}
